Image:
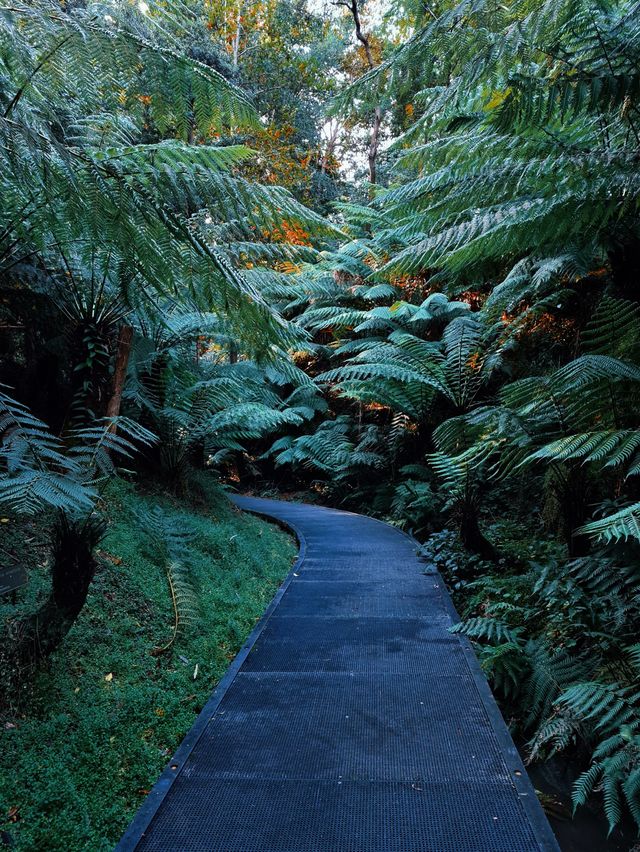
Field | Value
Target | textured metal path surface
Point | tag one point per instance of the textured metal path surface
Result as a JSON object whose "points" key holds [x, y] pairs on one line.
{"points": [[351, 721]]}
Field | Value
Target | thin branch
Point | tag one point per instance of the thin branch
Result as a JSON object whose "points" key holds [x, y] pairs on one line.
{"points": [[15, 99]]}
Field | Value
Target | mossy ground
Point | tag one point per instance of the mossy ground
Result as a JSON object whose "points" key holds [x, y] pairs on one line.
{"points": [[105, 714]]}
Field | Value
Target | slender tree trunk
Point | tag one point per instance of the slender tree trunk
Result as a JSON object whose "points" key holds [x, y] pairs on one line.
{"points": [[373, 144], [235, 44], [330, 147], [123, 352], [374, 137]]}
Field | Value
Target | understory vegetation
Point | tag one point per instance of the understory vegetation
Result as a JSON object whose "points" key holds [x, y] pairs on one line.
{"points": [[88, 739], [403, 280]]}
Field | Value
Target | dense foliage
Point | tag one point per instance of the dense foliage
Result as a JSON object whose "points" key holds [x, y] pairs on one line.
{"points": [[190, 279], [134, 235], [483, 322], [125, 226]]}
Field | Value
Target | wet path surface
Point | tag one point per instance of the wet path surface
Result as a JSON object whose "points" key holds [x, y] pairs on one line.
{"points": [[352, 720]]}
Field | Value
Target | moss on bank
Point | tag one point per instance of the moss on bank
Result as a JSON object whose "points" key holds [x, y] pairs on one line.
{"points": [[105, 714]]}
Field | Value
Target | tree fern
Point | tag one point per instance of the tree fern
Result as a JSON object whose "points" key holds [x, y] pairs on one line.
{"points": [[612, 708], [623, 525]]}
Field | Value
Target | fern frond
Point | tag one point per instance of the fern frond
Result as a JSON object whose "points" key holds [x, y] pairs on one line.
{"points": [[623, 525]]}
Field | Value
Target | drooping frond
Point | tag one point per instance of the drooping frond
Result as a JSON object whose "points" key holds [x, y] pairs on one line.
{"points": [[37, 470], [623, 525]]}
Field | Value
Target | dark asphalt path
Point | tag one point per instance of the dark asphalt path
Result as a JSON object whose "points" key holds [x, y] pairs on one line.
{"points": [[352, 721]]}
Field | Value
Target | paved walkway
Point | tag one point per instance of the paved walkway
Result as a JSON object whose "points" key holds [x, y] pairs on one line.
{"points": [[352, 721]]}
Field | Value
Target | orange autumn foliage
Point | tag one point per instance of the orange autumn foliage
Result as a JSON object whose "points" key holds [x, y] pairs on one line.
{"points": [[279, 161], [288, 232]]}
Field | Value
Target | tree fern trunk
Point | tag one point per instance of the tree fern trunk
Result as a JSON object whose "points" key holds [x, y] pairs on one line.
{"points": [[120, 371], [624, 258], [472, 536], [566, 505], [72, 570]]}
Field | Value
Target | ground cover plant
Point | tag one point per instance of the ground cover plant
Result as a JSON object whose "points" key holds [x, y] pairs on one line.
{"points": [[88, 737]]}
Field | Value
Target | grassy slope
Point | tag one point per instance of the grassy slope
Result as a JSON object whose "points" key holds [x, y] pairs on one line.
{"points": [[106, 713]]}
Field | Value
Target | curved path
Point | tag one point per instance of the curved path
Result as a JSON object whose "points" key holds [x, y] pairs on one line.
{"points": [[351, 721]]}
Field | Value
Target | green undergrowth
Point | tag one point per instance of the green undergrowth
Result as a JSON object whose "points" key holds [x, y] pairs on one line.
{"points": [[557, 637], [107, 711]]}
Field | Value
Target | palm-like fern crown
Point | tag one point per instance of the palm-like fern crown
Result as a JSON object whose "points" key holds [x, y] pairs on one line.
{"points": [[109, 206], [209, 404], [89, 181]]}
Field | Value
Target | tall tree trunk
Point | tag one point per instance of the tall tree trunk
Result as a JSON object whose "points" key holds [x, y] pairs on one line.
{"points": [[373, 145], [374, 137], [235, 44], [330, 147]]}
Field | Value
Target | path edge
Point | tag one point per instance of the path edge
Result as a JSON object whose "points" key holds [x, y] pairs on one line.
{"points": [[523, 785], [519, 774], [143, 817], [526, 793]]}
